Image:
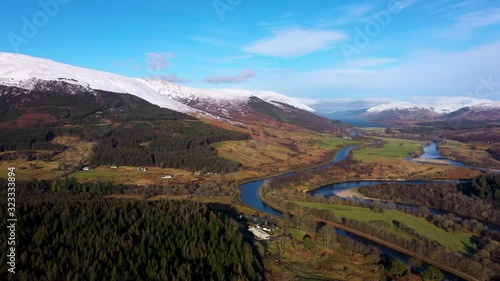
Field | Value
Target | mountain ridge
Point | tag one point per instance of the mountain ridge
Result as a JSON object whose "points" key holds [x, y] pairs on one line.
{"points": [[227, 105], [404, 112]]}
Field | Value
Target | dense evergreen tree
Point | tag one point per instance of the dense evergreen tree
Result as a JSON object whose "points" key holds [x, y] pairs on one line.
{"points": [[77, 237], [128, 130]]}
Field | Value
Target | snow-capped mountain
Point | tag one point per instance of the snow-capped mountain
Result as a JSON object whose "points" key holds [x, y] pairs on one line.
{"points": [[484, 111], [221, 96], [398, 113], [407, 112], [486, 106], [27, 72], [395, 106], [246, 106], [31, 74], [441, 105]]}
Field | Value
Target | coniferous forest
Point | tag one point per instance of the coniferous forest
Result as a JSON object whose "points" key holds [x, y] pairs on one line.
{"points": [[128, 131], [80, 236]]}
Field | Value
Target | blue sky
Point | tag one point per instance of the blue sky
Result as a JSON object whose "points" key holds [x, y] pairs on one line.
{"points": [[331, 54]]}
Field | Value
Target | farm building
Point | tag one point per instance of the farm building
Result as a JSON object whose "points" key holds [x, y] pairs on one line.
{"points": [[259, 233]]}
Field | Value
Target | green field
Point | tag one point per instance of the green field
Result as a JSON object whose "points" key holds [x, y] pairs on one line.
{"points": [[373, 129], [393, 149], [336, 142], [455, 241], [296, 234], [96, 175]]}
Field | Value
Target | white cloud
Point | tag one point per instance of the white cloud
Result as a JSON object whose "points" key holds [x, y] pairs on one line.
{"points": [[210, 41], [158, 61], [228, 59], [170, 78], [342, 104], [402, 4], [433, 73], [369, 62], [346, 14], [447, 104], [295, 42], [464, 17], [240, 78], [479, 18]]}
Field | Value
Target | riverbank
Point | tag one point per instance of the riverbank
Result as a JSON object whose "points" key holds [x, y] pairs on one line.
{"points": [[257, 183], [433, 155], [265, 205], [356, 234], [431, 161], [352, 193]]}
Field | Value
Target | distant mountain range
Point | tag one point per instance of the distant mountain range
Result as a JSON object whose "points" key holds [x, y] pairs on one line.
{"points": [[22, 76], [405, 113]]}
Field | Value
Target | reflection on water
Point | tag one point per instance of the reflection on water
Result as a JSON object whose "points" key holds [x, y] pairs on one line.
{"points": [[250, 191], [250, 196], [431, 152], [333, 189]]}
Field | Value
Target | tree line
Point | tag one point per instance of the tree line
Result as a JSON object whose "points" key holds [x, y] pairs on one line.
{"points": [[481, 264], [128, 130], [473, 198]]}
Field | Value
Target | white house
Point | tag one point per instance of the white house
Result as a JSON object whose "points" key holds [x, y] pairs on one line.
{"points": [[167, 176], [259, 233], [86, 168], [114, 166]]}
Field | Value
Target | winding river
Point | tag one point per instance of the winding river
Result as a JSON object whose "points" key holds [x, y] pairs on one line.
{"points": [[433, 155], [250, 192], [250, 196]]}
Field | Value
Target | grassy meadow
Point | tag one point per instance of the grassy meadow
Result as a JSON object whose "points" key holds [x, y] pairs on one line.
{"points": [[455, 241], [392, 149]]}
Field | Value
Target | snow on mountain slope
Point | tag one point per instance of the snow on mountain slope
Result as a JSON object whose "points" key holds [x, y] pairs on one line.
{"points": [[440, 105], [394, 106], [221, 96], [25, 71], [489, 105]]}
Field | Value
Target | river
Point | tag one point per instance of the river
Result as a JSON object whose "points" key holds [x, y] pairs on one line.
{"points": [[431, 152], [433, 155], [250, 196], [250, 190]]}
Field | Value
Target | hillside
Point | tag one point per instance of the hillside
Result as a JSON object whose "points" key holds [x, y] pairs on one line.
{"points": [[20, 74], [125, 130]]}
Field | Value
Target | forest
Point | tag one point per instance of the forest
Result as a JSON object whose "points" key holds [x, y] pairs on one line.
{"points": [[128, 130], [167, 145], [80, 107], [476, 198], [481, 262], [484, 187], [77, 236]]}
